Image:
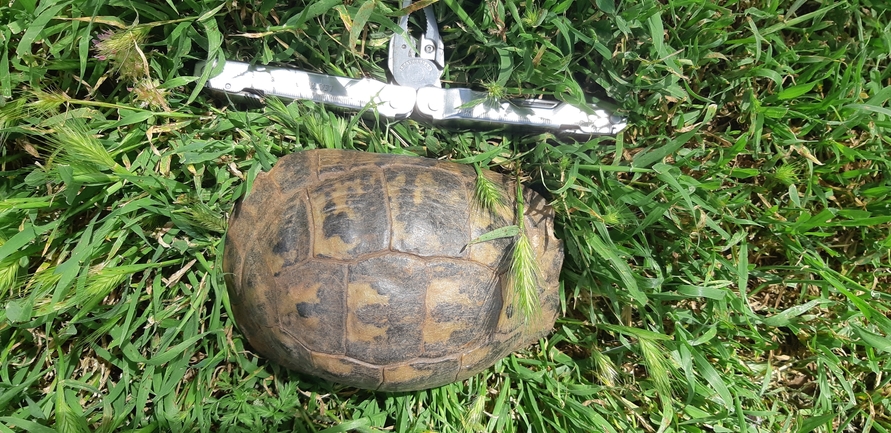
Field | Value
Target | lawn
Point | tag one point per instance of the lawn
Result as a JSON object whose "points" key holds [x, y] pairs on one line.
{"points": [[728, 255]]}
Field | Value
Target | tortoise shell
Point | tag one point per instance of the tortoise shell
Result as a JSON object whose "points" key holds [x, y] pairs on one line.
{"points": [[358, 268]]}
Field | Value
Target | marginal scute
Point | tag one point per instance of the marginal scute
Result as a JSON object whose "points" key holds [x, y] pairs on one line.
{"points": [[417, 374], [258, 322], [333, 164], [293, 353], [479, 358], [346, 370], [294, 172], [265, 187], [232, 263], [356, 268]]}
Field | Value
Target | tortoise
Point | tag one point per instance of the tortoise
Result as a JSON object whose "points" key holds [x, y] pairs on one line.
{"points": [[358, 268]]}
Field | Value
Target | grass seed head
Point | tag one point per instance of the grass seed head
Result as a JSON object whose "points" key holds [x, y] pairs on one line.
{"points": [[45, 103], [495, 92], [9, 270], [66, 419], [533, 16], [148, 93], [604, 368], [786, 174], [473, 417], [617, 216], [99, 285], [201, 215], [81, 148], [523, 278], [45, 276], [523, 275], [122, 49], [489, 195], [657, 366]]}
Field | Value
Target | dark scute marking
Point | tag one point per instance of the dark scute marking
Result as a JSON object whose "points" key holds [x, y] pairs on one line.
{"points": [[463, 312], [469, 279], [509, 311], [351, 207], [293, 240], [552, 269], [311, 305], [337, 224], [506, 344], [432, 208], [404, 335], [252, 301], [446, 312], [400, 279], [306, 310], [376, 314], [458, 340], [235, 217]]}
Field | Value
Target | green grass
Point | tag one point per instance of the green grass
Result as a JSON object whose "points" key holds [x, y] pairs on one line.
{"points": [[728, 263]]}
